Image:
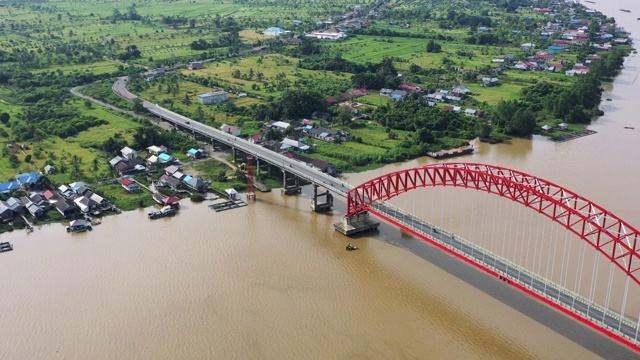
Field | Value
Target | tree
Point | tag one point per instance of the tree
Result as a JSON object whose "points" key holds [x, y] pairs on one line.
{"points": [[138, 105], [221, 176], [433, 47], [199, 113], [483, 130], [423, 136], [15, 162], [95, 164], [88, 104], [186, 100], [300, 103], [4, 117], [522, 123], [76, 162], [241, 175], [503, 113], [192, 23], [344, 115]]}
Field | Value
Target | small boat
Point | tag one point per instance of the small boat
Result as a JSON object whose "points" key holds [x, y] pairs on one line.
{"points": [[608, 99], [165, 211], [79, 225], [629, 127], [625, 10], [351, 247], [6, 246]]}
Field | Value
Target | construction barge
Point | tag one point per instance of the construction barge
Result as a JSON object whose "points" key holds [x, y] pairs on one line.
{"points": [[5, 246], [443, 154], [165, 211]]}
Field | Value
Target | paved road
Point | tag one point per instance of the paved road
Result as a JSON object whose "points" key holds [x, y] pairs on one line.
{"points": [[513, 272], [291, 166]]}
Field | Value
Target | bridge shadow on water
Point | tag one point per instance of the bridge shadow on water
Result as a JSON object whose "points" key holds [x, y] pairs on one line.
{"points": [[542, 313]]}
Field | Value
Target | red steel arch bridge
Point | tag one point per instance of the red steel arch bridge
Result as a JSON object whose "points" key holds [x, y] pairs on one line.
{"points": [[588, 268]]}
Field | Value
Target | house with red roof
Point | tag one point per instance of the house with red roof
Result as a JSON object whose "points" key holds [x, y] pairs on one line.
{"points": [[543, 57], [410, 87], [130, 185]]}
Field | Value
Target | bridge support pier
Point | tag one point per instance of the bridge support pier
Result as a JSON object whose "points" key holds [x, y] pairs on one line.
{"points": [[238, 156], [290, 184], [318, 206], [357, 223]]}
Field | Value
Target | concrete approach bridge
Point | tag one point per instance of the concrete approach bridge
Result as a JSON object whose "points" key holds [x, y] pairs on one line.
{"points": [[292, 170]]}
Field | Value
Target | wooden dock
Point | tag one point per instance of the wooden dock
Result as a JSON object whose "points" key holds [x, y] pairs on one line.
{"points": [[5, 246], [262, 187]]}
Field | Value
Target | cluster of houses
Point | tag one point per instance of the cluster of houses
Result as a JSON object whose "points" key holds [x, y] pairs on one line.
{"points": [[300, 132], [68, 200], [129, 163], [175, 179], [352, 19], [455, 95], [574, 32]]}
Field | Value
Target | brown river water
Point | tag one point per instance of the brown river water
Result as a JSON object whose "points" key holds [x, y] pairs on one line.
{"points": [[272, 280]]}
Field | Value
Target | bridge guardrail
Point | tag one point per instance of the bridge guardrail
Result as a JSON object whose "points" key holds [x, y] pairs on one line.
{"points": [[559, 290]]}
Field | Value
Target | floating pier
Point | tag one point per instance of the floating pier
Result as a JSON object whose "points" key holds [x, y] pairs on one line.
{"points": [[5, 246], [227, 205]]}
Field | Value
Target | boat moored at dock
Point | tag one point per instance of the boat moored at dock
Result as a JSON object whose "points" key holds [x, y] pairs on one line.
{"points": [[79, 225], [443, 154], [165, 211]]}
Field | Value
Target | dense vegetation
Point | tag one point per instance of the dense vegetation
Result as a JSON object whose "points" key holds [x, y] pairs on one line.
{"points": [[51, 46]]}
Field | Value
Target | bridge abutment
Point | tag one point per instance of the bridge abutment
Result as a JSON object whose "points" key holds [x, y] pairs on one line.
{"points": [[355, 224]]}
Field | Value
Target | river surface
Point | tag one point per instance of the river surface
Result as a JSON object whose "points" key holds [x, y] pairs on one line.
{"points": [[272, 280]]}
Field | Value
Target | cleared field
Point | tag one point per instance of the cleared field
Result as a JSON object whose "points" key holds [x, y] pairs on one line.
{"points": [[373, 99], [55, 150], [492, 95], [98, 68]]}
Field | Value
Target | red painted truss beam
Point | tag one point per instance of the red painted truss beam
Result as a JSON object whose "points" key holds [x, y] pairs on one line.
{"points": [[605, 232]]}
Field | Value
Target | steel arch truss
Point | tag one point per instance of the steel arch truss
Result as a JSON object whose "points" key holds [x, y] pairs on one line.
{"points": [[608, 234]]}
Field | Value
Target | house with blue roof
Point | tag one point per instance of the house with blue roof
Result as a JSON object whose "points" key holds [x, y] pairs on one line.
{"points": [[195, 183], [27, 179], [165, 158], [195, 153], [6, 187]]}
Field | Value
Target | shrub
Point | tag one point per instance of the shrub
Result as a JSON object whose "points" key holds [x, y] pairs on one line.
{"points": [[197, 198]]}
